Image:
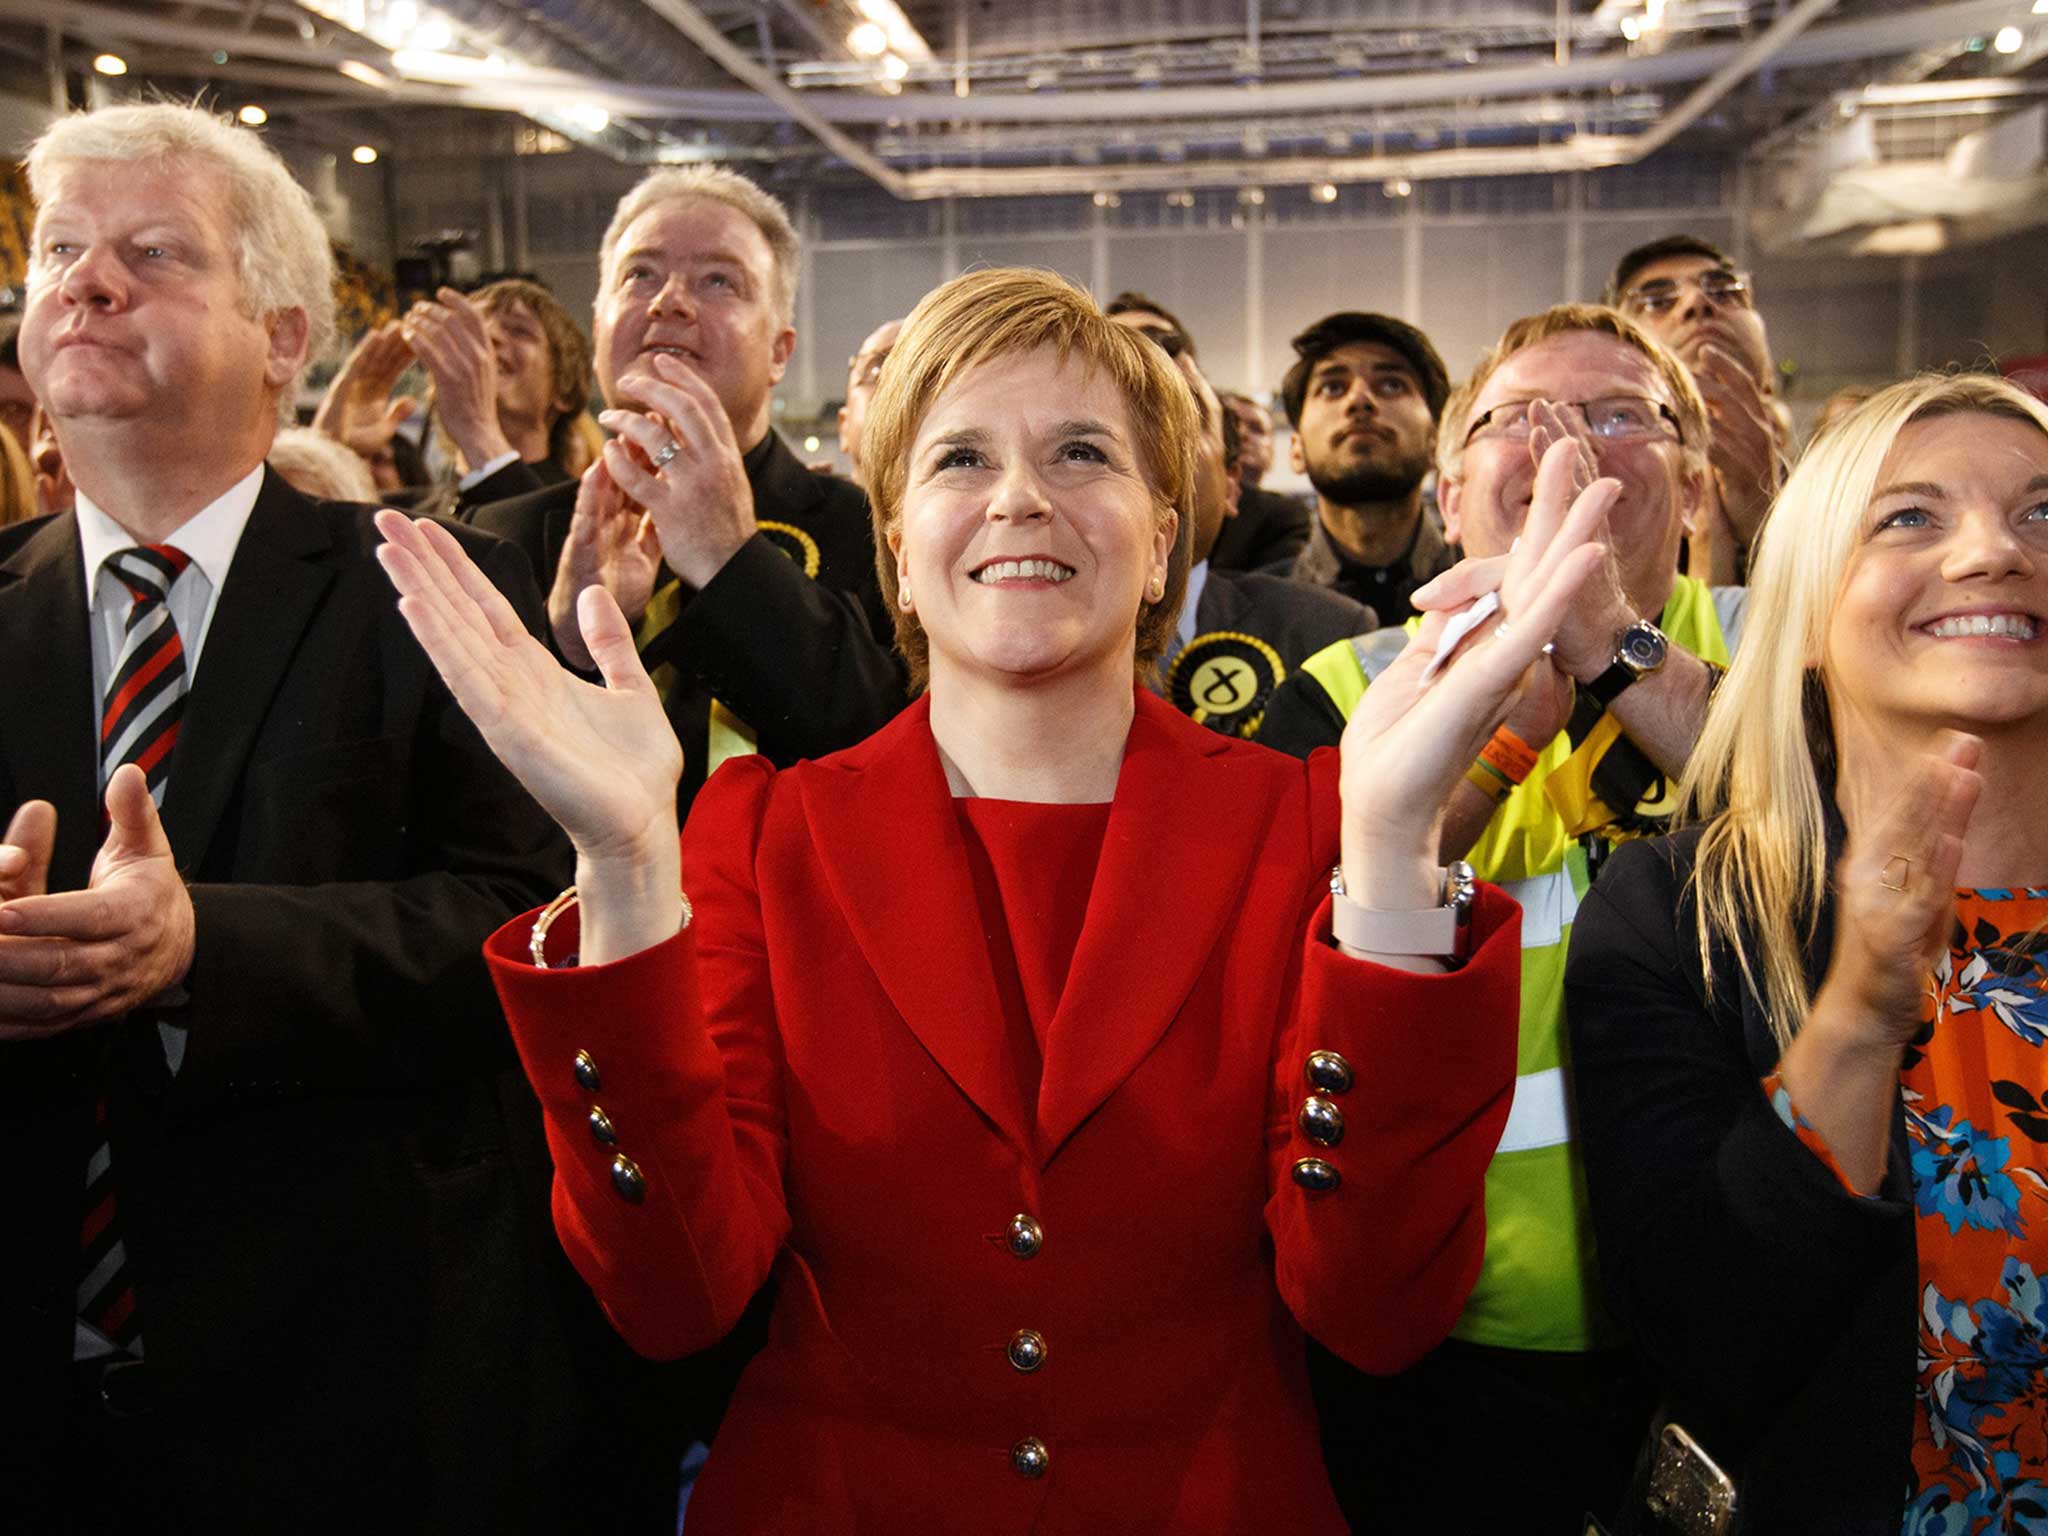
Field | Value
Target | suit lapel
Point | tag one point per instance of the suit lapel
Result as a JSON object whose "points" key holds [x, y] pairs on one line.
{"points": [[785, 488], [888, 840], [48, 741], [274, 586], [1183, 831]]}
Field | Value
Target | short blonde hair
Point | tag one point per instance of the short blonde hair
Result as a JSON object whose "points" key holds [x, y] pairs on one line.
{"points": [[985, 316], [1563, 320], [281, 250], [1762, 869], [674, 183], [318, 466]]}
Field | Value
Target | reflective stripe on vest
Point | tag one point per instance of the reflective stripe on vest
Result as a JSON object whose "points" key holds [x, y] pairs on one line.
{"points": [[1541, 1115]]}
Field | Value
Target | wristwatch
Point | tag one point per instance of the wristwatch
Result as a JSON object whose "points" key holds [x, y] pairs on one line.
{"points": [[1638, 652], [1444, 931]]}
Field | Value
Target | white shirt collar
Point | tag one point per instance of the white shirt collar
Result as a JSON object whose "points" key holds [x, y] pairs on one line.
{"points": [[1198, 577], [208, 536]]}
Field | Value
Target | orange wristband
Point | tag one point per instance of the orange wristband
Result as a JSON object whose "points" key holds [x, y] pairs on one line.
{"points": [[1512, 756]]}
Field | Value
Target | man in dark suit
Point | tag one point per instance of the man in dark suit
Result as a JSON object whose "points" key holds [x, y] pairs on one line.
{"points": [[1240, 633], [272, 1253], [750, 579], [1270, 529]]}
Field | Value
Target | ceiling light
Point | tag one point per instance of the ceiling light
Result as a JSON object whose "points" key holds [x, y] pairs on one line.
{"points": [[364, 154], [1324, 191], [110, 64], [1631, 28], [868, 39], [2009, 40], [253, 115], [362, 74], [1398, 187], [894, 67], [588, 116], [1252, 197], [811, 443], [1180, 199]]}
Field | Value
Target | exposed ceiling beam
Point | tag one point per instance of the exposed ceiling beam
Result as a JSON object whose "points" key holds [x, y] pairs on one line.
{"points": [[104, 23], [702, 31]]}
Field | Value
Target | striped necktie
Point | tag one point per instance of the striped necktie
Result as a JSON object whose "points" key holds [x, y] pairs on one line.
{"points": [[146, 691], [145, 700]]}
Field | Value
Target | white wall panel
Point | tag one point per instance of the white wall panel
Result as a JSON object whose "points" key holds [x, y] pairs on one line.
{"points": [[1311, 273], [1199, 275], [855, 289], [1479, 276]]}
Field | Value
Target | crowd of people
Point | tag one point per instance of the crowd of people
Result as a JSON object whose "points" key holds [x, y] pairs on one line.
{"points": [[571, 972]]}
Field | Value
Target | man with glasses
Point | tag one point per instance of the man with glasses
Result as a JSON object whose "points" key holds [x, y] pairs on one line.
{"points": [[1534, 1383], [863, 373], [1364, 395], [1691, 297]]}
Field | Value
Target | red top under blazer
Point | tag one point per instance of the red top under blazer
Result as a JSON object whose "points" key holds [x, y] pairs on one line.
{"points": [[812, 1078]]}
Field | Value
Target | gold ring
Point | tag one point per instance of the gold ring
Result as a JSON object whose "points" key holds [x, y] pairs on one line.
{"points": [[1905, 872]]}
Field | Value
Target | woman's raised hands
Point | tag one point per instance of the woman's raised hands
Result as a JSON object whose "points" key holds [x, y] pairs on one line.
{"points": [[603, 761]]}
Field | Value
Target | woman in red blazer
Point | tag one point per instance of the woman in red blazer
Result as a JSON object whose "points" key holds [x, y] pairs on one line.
{"points": [[991, 1037]]}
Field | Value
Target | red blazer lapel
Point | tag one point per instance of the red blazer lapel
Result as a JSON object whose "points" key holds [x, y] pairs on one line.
{"points": [[888, 841], [1184, 829]]}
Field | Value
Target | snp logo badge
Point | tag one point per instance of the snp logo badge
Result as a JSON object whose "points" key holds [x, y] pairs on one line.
{"points": [[1223, 679], [793, 542]]}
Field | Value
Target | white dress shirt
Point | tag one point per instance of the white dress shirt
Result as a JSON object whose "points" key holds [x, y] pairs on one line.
{"points": [[208, 537]]}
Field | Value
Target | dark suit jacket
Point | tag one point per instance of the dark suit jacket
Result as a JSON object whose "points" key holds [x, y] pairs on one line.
{"points": [[814, 1075], [1776, 1311], [1252, 630], [339, 1254], [1268, 531], [790, 636]]}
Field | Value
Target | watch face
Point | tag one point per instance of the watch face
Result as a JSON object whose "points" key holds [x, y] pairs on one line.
{"points": [[1642, 648]]}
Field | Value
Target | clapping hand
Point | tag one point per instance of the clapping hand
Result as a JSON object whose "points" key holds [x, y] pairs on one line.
{"points": [[1413, 736], [1747, 453], [1895, 893], [602, 761], [611, 544], [452, 341], [78, 957], [677, 457], [358, 411]]}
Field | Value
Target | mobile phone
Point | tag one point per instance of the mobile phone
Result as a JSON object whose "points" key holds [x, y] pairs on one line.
{"points": [[1689, 1495]]}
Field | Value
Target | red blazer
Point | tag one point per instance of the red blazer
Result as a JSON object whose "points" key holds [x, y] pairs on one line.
{"points": [[812, 1078]]}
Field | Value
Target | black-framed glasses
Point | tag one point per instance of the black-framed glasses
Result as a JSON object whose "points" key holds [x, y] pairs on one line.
{"points": [[1611, 418], [1720, 285]]}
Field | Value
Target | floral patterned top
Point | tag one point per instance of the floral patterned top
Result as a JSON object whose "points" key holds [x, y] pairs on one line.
{"points": [[1977, 1128]]}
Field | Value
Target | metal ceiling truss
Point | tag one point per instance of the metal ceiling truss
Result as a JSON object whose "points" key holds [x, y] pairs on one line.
{"points": [[1404, 113]]}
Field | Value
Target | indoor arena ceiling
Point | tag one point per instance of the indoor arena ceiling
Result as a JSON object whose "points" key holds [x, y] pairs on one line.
{"points": [[976, 98]]}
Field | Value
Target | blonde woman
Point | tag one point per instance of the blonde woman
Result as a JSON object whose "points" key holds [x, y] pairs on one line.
{"points": [[1811, 1035]]}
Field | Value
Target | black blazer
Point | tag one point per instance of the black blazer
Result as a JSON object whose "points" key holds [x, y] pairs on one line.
{"points": [[336, 1208], [1269, 531], [1252, 630], [1776, 1311], [790, 636]]}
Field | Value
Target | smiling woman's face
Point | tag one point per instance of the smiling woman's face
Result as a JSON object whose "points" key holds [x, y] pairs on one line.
{"points": [[1942, 617], [1029, 533]]}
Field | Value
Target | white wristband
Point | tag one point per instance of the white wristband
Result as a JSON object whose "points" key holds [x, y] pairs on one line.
{"points": [[1443, 931]]}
